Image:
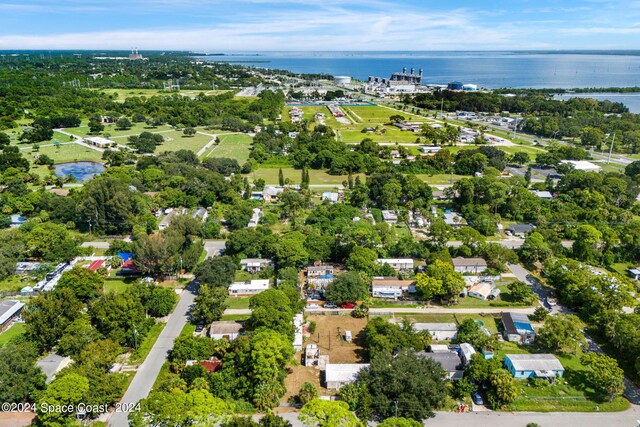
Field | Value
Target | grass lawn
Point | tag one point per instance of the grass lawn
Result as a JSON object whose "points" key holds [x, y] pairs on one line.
{"points": [[233, 146], [235, 317], [316, 177], [14, 283], [145, 346], [122, 94], [180, 142], [440, 179], [117, 285], [188, 330], [238, 302], [15, 330], [118, 135], [66, 152]]}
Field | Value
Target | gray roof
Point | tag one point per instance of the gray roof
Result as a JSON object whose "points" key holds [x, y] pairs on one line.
{"points": [[535, 362], [8, 309], [225, 327], [51, 364], [435, 327], [509, 321], [521, 228], [450, 360], [469, 262]]}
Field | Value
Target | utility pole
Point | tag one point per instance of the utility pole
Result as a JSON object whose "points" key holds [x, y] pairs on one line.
{"points": [[613, 139], [441, 107], [396, 403]]}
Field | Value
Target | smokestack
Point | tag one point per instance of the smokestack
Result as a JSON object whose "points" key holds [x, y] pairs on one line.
{"points": [[412, 69], [404, 70], [421, 71]]}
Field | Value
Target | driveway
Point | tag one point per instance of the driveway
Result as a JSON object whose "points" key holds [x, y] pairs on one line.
{"points": [[214, 247], [146, 375]]}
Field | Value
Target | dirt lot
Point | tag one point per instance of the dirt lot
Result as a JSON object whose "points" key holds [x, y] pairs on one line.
{"points": [[329, 336], [16, 419], [299, 375]]}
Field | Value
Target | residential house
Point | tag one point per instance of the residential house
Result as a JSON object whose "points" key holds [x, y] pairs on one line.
{"points": [[226, 330], [542, 194], [211, 365], [582, 165], [100, 142], [166, 220], [517, 328], [271, 193], [9, 311], [338, 375], [438, 331], [255, 218], [520, 230], [397, 263], [318, 270], [255, 265], [533, 365], [389, 217], [52, 364], [25, 268], [391, 287], [635, 273], [298, 338], [97, 264], [483, 291], [331, 197], [17, 221], [449, 360], [253, 287], [200, 214], [454, 220], [469, 265]]}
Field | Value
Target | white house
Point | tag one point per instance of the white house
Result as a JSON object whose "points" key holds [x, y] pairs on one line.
{"points": [[255, 218], [100, 142], [298, 338], [438, 331], [338, 375], [483, 291], [397, 263], [228, 330], [9, 310], [166, 220], [330, 196], [466, 351], [469, 265], [391, 287], [255, 265], [454, 220], [542, 194], [319, 270], [389, 217], [253, 287]]}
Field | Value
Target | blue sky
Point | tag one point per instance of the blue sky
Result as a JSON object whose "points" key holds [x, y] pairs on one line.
{"points": [[255, 25]]}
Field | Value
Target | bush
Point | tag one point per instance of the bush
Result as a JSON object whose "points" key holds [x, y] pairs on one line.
{"points": [[312, 327], [360, 311], [307, 392]]}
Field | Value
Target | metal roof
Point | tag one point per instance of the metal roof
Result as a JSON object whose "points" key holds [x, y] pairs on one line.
{"points": [[344, 371], [8, 309], [449, 360], [535, 362], [514, 323]]}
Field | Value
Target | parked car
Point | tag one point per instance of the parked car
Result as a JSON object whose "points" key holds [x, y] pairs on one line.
{"points": [[551, 302], [348, 305], [330, 305], [199, 327], [312, 306], [477, 398]]}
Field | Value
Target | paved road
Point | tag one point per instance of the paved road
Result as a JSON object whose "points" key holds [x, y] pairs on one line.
{"points": [[148, 371], [214, 247], [507, 243], [520, 419]]}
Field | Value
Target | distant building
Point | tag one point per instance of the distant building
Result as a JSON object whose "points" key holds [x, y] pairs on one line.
{"points": [[542, 194], [520, 229], [253, 287], [449, 360], [255, 218], [134, 55], [9, 311], [319, 270], [96, 265], [391, 287], [100, 142], [17, 221], [332, 197], [454, 220], [517, 328], [200, 214], [255, 265], [211, 365], [635, 273], [52, 364], [26, 267], [338, 375], [582, 165], [298, 337], [533, 365], [227, 330], [466, 351], [397, 263], [469, 265], [311, 355], [342, 80], [166, 220], [389, 217], [483, 291]]}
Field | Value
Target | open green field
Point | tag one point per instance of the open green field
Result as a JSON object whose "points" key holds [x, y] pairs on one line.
{"points": [[117, 285], [15, 330], [233, 146], [14, 283], [440, 179], [117, 135], [123, 94], [316, 177], [392, 134], [180, 142], [238, 302], [69, 152]]}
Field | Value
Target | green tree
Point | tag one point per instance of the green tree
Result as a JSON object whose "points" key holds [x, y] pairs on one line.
{"points": [[503, 388], [347, 287], [592, 137], [417, 384], [471, 332], [95, 126], [76, 336], [362, 259], [521, 292], [561, 333], [272, 420], [209, 304], [534, 249], [85, 284], [216, 271], [452, 281], [428, 287], [327, 413], [271, 309], [267, 394], [188, 131], [68, 390], [400, 422], [21, 379], [123, 123], [51, 242], [605, 376], [307, 392], [280, 177], [588, 240]]}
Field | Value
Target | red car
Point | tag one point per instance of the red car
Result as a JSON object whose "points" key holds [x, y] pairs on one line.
{"points": [[348, 305]]}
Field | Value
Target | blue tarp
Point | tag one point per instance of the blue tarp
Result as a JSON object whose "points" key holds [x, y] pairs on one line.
{"points": [[327, 276], [126, 256], [523, 326]]}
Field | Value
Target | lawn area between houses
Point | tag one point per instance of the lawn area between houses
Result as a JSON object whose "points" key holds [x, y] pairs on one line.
{"points": [[66, 152], [16, 330], [238, 302], [316, 176], [145, 346], [176, 140], [117, 285], [14, 283]]}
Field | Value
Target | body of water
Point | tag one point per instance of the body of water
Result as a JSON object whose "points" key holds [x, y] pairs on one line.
{"points": [[486, 69], [81, 171], [631, 100]]}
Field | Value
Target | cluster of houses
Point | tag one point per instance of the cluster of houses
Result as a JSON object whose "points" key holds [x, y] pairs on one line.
{"points": [[199, 213], [296, 114]]}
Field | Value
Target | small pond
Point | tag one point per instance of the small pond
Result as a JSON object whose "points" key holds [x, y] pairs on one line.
{"points": [[81, 171]]}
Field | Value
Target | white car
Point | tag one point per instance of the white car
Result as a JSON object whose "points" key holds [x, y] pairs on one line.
{"points": [[312, 306]]}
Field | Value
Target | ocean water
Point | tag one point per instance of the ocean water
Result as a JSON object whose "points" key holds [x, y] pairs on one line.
{"points": [[486, 69]]}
